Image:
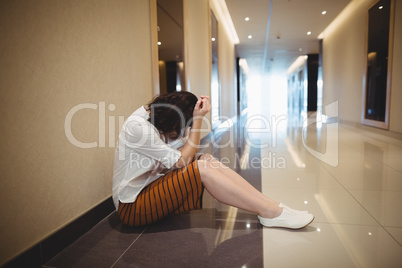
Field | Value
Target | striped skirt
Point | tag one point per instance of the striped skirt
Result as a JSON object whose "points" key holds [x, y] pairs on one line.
{"points": [[177, 192]]}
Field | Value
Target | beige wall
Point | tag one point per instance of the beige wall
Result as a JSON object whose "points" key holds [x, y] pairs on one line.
{"points": [[197, 38], [56, 55], [197, 46], [197, 58], [344, 63], [226, 69], [395, 123]]}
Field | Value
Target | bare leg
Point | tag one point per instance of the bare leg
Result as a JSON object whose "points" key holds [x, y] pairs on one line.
{"points": [[230, 188], [236, 178], [235, 191]]}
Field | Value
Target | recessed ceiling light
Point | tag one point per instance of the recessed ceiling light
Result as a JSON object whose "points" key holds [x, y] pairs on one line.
{"points": [[308, 33], [324, 12], [300, 49], [159, 43], [250, 36], [380, 7], [213, 39], [246, 18]]}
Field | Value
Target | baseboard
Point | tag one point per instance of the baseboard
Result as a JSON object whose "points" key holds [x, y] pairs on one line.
{"points": [[42, 252]]}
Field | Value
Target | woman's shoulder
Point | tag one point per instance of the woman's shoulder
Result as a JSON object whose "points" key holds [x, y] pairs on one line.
{"points": [[138, 122], [139, 116]]}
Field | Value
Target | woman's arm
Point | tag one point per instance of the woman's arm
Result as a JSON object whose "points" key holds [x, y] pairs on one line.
{"points": [[190, 148]]}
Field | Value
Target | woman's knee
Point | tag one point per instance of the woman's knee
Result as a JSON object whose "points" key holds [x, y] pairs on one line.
{"points": [[206, 161]]}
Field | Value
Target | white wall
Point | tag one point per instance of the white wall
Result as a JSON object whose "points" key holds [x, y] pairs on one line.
{"points": [[344, 63], [56, 55]]}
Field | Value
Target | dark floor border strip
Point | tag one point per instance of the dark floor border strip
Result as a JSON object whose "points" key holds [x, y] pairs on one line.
{"points": [[42, 252]]}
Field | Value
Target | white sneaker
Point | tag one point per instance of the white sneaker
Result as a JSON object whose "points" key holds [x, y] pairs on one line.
{"points": [[288, 219], [291, 209]]}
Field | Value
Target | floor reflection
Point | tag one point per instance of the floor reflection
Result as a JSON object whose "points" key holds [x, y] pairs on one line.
{"points": [[354, 194]]}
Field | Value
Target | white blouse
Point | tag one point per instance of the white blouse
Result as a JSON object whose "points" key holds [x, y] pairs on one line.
{"points": [[141, 156]]}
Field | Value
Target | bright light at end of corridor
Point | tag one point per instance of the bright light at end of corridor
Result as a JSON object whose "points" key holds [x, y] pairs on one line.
{"points": [[278, 95], [244, 65], [253, 87]]}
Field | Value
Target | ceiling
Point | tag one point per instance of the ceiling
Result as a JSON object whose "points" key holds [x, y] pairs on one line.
{"points": [[279, 30]]}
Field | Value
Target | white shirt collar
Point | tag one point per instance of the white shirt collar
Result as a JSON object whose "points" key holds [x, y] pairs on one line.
{"points": [[142, 112]]}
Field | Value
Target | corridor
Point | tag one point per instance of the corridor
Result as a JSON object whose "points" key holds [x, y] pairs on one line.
{"points": [[355, 203]]}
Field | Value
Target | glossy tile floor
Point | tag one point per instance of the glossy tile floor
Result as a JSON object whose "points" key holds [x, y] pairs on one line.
{"points": [[350, 178]]}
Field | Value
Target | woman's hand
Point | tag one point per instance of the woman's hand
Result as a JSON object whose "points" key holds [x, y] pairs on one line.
{"points": [[202, 107], [192, 145]]}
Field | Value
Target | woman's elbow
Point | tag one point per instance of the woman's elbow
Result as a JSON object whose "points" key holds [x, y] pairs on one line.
{"points": [[183, 162], [180, 163]]}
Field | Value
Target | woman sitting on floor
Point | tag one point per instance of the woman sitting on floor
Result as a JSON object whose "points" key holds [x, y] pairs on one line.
{"points": [[156, 172]]}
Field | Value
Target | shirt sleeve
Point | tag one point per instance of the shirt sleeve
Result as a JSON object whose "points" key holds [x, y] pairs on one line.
{"points": [[178, 143], [143, 137]]}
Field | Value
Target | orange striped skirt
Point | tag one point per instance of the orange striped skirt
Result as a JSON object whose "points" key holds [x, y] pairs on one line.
{"points": [[177, 192]]}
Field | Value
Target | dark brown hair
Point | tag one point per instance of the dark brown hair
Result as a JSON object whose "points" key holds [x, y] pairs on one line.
{"points": [[172, 112]]}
